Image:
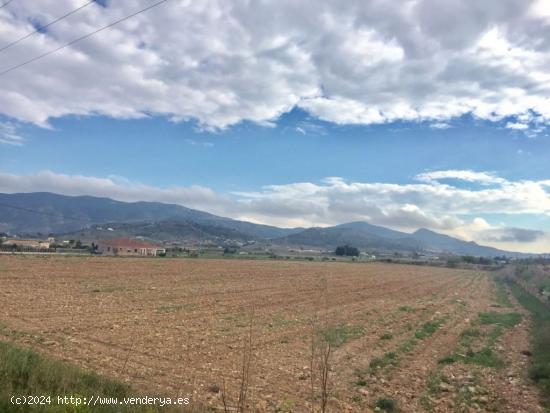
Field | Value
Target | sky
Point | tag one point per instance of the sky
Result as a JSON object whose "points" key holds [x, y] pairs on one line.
{"points": [[313, 113]]}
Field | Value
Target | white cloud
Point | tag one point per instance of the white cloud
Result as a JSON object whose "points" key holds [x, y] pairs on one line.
{"points": [[194, 142], [463, 175], [440, 125], [439, 204], [9, 135], [504, 237], [517, 126], [221, 62]]}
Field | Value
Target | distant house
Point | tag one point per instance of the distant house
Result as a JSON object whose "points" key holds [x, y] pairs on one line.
{"points": [[27, 243], [127, 246]]}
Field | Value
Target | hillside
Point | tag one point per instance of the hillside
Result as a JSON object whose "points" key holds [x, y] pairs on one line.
{"points": [[367, 236], [43, 212], [169, 231], [455, 246], [360, 237]]}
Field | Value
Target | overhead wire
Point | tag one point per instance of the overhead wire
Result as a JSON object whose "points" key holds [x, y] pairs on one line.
{"points": [[5, 4], [42, 28], [78, 39]]}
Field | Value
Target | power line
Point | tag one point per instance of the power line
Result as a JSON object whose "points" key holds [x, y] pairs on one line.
{"points": [[5, 4], [34, 59], [39, 29]]}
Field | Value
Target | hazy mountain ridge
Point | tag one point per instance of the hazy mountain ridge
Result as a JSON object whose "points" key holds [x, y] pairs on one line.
{"points": [[63, 214], [332, 237], [456, 246], [88, 217], [367, 236]]}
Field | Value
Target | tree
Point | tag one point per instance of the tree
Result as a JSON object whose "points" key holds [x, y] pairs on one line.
{"points": [[346, 251]]}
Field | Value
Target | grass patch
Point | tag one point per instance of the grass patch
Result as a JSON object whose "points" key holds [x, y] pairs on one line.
{"points": [[426, 403], [466, 397], [493, 335], [341, 334], [485, 357], [377, 363], [25, 372], [360, 374], [507, 320], [540, 339], [407, 345], [425, 331], [406, 309], [360, 382], [450, 359], [433, 383], [503, 300], [428, 329], [470, 334], [386, 336]]}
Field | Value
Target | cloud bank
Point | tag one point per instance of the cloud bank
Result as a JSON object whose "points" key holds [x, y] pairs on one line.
{"points": [[429, 201], [222, 62]]}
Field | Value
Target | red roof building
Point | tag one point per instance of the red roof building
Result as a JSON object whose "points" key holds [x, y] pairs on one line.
{"points": [[128, 246]]}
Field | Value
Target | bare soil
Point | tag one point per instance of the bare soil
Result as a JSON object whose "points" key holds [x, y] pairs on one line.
{"points": [[177, 327]]}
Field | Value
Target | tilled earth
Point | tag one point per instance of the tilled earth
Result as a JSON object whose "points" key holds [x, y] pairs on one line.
{"points": [[178, 327]]}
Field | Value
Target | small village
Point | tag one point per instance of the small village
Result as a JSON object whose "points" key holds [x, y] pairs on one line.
{"points": [[115, 247]]}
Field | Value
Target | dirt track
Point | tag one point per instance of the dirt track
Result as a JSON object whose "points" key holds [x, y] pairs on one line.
{"points": [[177, 325]]}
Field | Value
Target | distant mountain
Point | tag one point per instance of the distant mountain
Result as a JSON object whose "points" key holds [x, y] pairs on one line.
{"points": [[44, 212], [367, 236], [452, 245], [374, 230], [360, 235]]}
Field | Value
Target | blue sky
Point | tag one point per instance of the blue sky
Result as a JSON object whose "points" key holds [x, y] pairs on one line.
{"points": [[285, 113], [156, 151]]}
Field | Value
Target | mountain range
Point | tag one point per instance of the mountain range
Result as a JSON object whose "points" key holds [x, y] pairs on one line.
{"points": [[47, 213], [90, 218]]}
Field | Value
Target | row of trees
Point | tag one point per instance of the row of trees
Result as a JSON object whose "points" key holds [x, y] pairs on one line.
{"points": [[346, 251]]}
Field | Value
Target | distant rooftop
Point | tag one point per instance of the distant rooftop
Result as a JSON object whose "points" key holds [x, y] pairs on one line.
{"points": [[127, 243]]}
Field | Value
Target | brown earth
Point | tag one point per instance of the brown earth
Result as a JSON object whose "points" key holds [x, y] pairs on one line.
{"points": [[177, 326]]}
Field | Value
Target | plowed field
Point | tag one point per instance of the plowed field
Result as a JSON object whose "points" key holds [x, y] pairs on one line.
{"points": [[177, 327]]}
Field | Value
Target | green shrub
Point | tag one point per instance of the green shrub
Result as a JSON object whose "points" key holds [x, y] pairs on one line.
{"points": [[448, 359], [361, 382], [539, 372], [388, 359], [387, 405]]}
